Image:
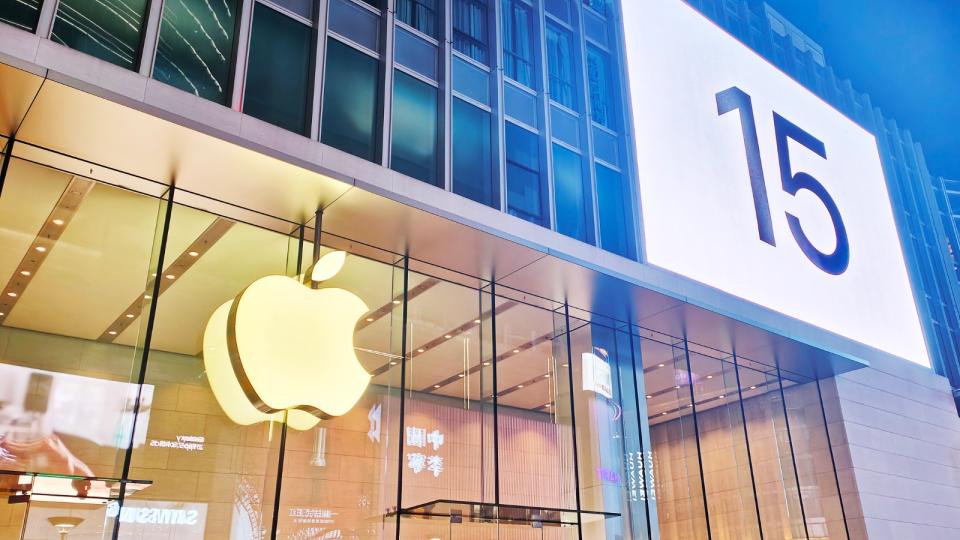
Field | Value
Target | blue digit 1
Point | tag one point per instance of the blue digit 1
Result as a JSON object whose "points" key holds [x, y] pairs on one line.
{"points": [[735, 98]]}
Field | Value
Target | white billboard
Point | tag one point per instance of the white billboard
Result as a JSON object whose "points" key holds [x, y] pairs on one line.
{"points": [[751, 184]]}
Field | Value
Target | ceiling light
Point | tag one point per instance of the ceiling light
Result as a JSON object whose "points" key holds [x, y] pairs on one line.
{"points": [[129, 315], [690, 405], [663, 414], [419, 350], [395, 302], [649, 396], [12, 294], [170, 276], [460, 375], [709, 376], [547, 376], [515, 351], [369, 319], [112, 332], [519, 386], [563, 365], [722, 396], [41, 249], [58, 221], [753, 387], [393, 363], [153, 274], [24, 272], [486, 363], [147, 297], [677, 387], [476, 321], [448, 336], [436, 386], [192, 253], [2, 314], [547, 405]]}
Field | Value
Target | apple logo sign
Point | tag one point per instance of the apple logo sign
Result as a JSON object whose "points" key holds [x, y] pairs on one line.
{"points": [[282, 348]]}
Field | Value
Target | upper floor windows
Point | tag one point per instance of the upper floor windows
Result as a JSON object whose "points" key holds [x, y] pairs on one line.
{"points": [[21, 13], [601, 95], [518, 56], [600, 6], [470, 28], [195, 50], [109, 34], [419, 14], [560, 64]]}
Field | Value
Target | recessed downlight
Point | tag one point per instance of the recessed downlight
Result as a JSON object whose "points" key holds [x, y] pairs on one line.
{"points": [[722, 396], [486, 363], [24, 272], [396, 302], [12, 294], [112, 332], [753, 387], [393, 363], [448, 336], [369, 319], [57, 222], [649, 396], [709, 376], [41, 249], [129, 315], [660, 365], [516, 351], [476, 321], [547, 376], [436, 386], [460, 375], [519, 386], [193, 253], [170, 276], [419, 350]]}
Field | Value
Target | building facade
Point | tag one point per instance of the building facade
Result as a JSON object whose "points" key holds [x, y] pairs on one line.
{"points": [[376, 269]]}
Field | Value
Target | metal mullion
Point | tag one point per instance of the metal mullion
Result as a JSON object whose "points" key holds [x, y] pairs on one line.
{"points": [[586, 123], [446, 86], [7, 156], [496, 390], [746, 438], [319, 66], [403, 384], [793, 453], [48, 12], [573, 419], [833, 460], [546, 130], [496, 65], [241, 54], [144, 356], [640, 417], [150, 37], [696, 432], [388, 22]]}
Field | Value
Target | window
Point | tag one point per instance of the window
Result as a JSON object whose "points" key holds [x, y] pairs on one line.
{"points": [[278, 82], [518, 42], [414, 147], [472, 154], [419, 14], [195, 52], [573, 206], [614, 201], [600, 6], [559, 9], [22, 14], [560, 65], [111, 34], [470, 28], [601, 98], [350, 101], [526, 196]]}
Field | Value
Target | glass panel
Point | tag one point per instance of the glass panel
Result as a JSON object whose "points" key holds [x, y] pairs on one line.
{"points": [[818, 482], [521, 105], [601, 96], [565, 126], [195, 52], [473, 155], [22, 13], [350, 103], [726, 460], [560, 9], [777, 493], [526, 196], [416, 53], [471, 81], [677, 489], [470, 28], [518, 42], [571, 194], [560, 64], [304, 8], [278, 82], [340, 476], [419, 14], [355, 23], [414, 147], [109, 32], [637, 479], [614, 202], [533, 407], [600, 430], [209, 451], [78, 255]]}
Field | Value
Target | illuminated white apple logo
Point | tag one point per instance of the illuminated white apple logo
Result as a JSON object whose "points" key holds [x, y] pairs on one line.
{"points": [[281, 347]]}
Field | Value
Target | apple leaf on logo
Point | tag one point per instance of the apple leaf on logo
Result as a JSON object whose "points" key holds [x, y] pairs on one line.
{"points": [[328, 266]]}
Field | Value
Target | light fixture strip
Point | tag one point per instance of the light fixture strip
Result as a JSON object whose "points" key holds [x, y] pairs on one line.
{"points": [[53, 226], [189, 257]]}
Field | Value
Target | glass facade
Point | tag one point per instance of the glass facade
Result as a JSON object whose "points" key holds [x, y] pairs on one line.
{"points": [[109, 34], [489, 413]]}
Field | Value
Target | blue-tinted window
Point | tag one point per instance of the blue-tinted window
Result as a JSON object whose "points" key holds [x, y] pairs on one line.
{"points": [[614, 203], [414, 147], [20, 13], [195, 52], [111, 34], [601, 97], [419, 14], [278, 71], [473, 155], [600, 6], [526, 194], [518, 41], [470, 28], [559, 9], [350, 101], [574, 209], [560, 62]]}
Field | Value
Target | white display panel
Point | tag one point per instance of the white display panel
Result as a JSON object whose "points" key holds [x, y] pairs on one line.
{"points": [[751, 184]]}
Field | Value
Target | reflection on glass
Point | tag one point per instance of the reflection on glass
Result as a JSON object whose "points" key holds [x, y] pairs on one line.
{"points": [[518, 41], [571, 195], [560, 62], [278, 71], [473, 155], [195, 51], [616, 213], [470, 28], [350, 104], [22, 13], [414, 147], [601, 96], [109, 31], [419, 14], [526, 195]]}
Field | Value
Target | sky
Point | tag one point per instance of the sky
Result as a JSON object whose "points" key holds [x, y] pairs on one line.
{"points": [[905, 54]]}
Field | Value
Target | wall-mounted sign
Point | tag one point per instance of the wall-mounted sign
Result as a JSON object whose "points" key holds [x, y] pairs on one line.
{"points": [[190, 443], [751, 184], [159, 519], [419, 462], [282, 348], [596, 374]]}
